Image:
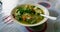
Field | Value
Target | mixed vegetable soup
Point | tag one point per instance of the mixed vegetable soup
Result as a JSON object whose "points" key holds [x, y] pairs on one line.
{"points": [[27, 14]]}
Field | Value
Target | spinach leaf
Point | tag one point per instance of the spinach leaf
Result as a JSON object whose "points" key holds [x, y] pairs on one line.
{"points": [[28, 10], [20, 19], [21, 11]]}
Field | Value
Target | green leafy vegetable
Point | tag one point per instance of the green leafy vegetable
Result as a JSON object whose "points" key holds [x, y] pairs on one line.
{"points": [[28, 20]]}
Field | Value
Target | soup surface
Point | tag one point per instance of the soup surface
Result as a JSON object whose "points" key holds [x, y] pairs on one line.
{"points": [[27, 14]]}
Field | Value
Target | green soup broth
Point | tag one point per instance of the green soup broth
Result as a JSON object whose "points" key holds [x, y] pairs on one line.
{"points": [[27, 14]]}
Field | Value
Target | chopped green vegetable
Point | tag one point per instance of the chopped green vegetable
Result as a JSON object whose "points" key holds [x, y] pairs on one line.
{"points": [[38, 13], [33, 6], [29, 21], [28, 10]]}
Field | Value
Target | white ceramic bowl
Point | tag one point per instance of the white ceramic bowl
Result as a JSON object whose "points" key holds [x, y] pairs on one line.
{"points": [[41, 22]]}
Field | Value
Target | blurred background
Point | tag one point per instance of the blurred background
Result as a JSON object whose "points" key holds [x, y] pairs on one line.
{"points": [[6, 5]]}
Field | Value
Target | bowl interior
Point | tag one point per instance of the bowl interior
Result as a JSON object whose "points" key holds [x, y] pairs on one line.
{"points": [[41, 22]]}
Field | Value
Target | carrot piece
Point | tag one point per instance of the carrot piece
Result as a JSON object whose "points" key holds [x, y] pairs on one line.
{"points": [[24, 18]]}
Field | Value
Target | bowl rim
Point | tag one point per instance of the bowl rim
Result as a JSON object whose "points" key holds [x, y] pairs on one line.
{"points": [[46, 12]]}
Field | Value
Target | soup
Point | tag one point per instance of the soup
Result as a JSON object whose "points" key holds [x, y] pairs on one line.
{"points": [[27, 14]]}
